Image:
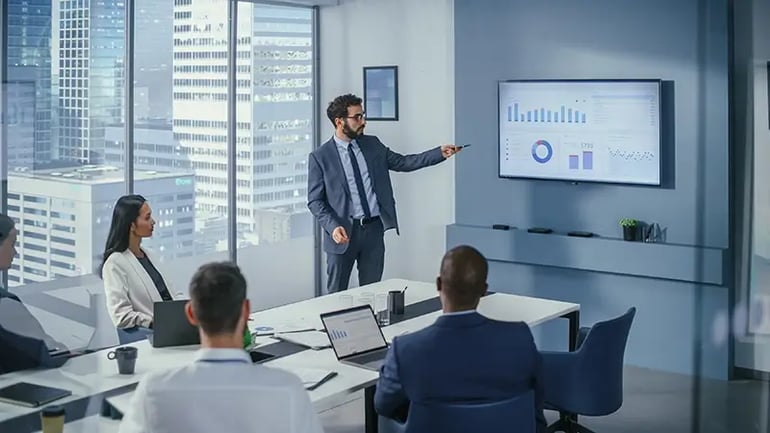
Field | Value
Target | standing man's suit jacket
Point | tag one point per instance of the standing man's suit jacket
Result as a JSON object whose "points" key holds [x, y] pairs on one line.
{"points": [[461, 358], [328, 192]]}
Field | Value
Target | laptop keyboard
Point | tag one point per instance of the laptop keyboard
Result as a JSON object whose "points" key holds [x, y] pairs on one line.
{"points": [[370, 358]]}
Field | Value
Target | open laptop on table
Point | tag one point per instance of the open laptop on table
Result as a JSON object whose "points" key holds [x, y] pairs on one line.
{"points": [[170, 326], [356, 337]]}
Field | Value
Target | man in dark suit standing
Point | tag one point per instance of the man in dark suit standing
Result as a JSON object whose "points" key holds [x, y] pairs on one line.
{"points": [[463, 357], [350, 193]]}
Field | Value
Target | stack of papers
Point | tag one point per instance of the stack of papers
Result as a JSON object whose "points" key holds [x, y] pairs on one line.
{"points": [[278, 328]]}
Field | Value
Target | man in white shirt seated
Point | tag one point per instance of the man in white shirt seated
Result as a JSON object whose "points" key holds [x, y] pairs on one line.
{"points": [[222, 391]]}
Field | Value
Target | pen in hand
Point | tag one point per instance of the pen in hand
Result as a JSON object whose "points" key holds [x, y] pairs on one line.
{"points": [[326, 378]]}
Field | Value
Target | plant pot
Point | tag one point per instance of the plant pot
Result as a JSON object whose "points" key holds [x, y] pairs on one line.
{"points": [[629, 233]]}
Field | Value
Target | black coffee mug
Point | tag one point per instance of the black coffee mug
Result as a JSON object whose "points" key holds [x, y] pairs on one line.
{"points": [[396, 302], [126, 357]]}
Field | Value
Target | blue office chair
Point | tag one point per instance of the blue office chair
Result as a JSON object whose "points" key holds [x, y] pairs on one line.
{"points": [[588, 381], [515, 415]]}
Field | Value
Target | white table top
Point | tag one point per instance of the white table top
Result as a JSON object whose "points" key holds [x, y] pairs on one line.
{"points": [[93, 373]]}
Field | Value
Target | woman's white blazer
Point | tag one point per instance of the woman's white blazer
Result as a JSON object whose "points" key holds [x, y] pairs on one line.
{"points": [[129, 289]]}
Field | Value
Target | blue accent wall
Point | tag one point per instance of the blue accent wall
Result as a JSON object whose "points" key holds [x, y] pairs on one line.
{"points": [[684, 43]]}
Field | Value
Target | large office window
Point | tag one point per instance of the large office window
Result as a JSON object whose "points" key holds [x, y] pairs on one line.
{"points": [[180, 130], [63, 89], [64, 136], [274, 137]]}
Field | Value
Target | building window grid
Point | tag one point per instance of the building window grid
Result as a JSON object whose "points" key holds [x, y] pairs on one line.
{"points": [[78, 71]]}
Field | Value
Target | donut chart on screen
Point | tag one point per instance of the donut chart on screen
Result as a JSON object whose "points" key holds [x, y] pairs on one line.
{"points": [[548, 148]]}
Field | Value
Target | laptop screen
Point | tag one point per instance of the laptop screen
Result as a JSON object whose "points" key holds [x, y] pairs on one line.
{"points": [[353, 331]]}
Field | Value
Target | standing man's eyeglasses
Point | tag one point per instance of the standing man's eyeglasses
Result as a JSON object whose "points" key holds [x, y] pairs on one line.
{"points": [[359, 116]]}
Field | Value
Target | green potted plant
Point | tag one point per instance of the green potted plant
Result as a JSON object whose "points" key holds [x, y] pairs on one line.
{"points": [[630, 228]]}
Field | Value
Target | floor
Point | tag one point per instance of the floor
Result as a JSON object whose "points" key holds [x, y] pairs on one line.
{"points": [[655, 402]]}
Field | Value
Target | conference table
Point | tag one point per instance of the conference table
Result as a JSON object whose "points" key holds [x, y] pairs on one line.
{"points": [[93, 378]]}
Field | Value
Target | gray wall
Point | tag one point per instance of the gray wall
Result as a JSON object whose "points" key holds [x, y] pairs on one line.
{"points": [[684, 43], [396, 32]]}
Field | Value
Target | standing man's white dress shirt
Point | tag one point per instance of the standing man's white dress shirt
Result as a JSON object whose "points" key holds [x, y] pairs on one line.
{"points": [[221, 392]]}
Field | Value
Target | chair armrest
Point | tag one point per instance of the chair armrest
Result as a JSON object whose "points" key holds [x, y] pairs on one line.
{"points": [[560, 377]]}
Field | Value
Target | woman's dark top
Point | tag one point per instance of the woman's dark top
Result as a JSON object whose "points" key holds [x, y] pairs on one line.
{"points": [[156, 278]]}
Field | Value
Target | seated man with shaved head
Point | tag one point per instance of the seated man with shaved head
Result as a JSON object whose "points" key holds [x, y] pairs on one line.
{"points": [[463, 357]]}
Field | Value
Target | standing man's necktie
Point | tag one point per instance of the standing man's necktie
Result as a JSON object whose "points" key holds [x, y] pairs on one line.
{"points": [[359, 181]]}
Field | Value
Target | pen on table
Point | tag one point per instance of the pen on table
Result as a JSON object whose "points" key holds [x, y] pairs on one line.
{"points": [[326, 378], [404, 291], [463, 146]]}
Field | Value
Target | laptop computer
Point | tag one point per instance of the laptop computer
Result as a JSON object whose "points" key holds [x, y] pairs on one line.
{"points": [[170, 325], [356, 337]]}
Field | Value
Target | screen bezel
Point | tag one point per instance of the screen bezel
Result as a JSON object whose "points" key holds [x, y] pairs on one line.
{"points": [[657, 81]]}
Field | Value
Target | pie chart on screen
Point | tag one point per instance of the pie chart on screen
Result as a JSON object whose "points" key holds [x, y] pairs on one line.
{"points": [[542, 151]]}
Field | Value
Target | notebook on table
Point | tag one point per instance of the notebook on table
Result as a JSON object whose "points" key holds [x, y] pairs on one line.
{"points": [[31, 395]]}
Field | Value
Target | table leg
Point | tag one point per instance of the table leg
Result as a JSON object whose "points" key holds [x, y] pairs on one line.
{"points": [[370, 415], [574, 328], [574, 331]]}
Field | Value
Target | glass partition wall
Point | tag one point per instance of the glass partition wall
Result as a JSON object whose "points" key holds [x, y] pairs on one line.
{"points": [[207, 108]]}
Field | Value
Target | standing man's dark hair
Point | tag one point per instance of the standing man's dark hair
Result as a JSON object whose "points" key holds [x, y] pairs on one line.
{"points": [[338, 108], [218, 300], [462, 279]]}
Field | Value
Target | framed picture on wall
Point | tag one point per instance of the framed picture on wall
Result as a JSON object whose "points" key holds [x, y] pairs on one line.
{"points": [[381, 92]]}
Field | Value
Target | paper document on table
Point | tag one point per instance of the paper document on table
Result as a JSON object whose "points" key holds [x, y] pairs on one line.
{"points": [[282, 328], [315, 340]]}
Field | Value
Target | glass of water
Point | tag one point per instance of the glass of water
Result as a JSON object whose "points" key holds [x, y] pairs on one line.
{"points": [[381, 309]]}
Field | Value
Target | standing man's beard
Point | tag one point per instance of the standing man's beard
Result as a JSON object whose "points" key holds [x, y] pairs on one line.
{"points": [[351, 133]]}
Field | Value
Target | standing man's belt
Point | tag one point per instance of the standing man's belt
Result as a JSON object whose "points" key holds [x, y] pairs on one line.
{"points": [[364, 221]]}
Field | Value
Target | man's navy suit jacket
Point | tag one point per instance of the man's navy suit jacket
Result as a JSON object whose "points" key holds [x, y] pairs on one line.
{"points": [[463, 358]]}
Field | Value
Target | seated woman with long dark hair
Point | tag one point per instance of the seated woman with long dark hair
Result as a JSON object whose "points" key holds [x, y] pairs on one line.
{"points": [[132, 281]]}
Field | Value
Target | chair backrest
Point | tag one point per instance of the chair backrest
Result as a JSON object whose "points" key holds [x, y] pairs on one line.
{"points": [[601, 364], [105, 334], [515, 415]]}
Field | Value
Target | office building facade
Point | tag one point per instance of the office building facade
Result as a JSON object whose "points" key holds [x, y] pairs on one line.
{"points": [[90, 72], [29, 82], [64, 216], [273, 108]]}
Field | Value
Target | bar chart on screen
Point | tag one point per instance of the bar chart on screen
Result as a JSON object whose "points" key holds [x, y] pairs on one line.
{"points": [[564, 114]]}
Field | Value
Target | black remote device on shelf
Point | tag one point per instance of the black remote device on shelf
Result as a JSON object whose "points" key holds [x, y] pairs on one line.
{"points": [[580, 234], [539, 230]]}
